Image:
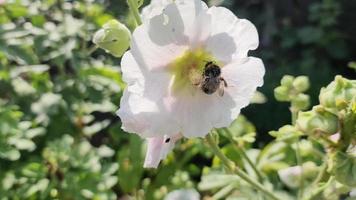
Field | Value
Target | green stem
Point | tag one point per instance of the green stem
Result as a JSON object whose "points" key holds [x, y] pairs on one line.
{"points": [[134, 10], [230, 166], [320, 175], [294, 112], [242, 152], [319, 190], [300, 163], [92, 49]]}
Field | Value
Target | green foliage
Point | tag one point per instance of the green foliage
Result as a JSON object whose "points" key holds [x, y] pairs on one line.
{"points": [[343, 167], [54, 100]]}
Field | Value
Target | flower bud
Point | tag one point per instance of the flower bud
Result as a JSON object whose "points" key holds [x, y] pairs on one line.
{"points": [[301, 83], [338, 93], [114, 38], [286, 133], [343, 167], [281, 93], [317, 119], [301, 101], [291, 176], [287, 80]]}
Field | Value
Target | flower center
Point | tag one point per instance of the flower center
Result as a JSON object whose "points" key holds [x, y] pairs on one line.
{"points": [[188, 69]]}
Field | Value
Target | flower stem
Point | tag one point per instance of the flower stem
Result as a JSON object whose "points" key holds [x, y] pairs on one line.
{"points": [[241, 151], [230, 166], [320, 175], [320, 189], [294, 112], [134, 10], [300, 163]]}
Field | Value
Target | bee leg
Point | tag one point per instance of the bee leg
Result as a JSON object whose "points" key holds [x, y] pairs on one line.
{"points": [[221, 88], [223, 80]]}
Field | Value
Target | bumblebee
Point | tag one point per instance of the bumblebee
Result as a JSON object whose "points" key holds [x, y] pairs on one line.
{"points": [[212, 80]]}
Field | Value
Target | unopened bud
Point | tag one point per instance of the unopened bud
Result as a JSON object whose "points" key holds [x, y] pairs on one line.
{"points": [[338, 93], [287, 80], [301, 83], [286, 133], [317, 119], [114, 38], [281, 93], [301, 101]]}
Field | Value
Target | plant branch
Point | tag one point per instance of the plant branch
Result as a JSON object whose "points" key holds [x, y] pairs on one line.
{"points": [[135, 12], [230, 166], [300, 163], [242, 152]]}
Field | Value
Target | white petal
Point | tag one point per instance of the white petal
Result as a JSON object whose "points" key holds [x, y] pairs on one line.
{"points": [[158, 148], [198, 113], [143, 104], [157, 44], [243, 77], [200, 30], [155, 8], [144, 116], [196, 20], [231, 37], [131, 73]]}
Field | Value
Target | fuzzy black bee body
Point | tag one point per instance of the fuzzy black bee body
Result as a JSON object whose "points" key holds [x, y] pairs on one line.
{"points": [[212, 80]]}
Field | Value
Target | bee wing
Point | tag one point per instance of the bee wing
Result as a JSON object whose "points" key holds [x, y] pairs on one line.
{"points": [[221, 88]]}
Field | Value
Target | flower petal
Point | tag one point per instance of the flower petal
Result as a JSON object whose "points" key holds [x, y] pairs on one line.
{"points": [[166, 36], [241, 31], [198, 113], [156, 44], [144, 116], [158, 148], [243, 77], [143, 104]]}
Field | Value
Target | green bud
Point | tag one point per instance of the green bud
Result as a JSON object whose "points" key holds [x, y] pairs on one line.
{"points": [[114, 38], [343, 167], [287, 133], [348, 132], [287, 80], [301, 101], [317, 119], [305, 147], [301, 83], [281, 93], [291, 176], [352, 65], [338, 93]]}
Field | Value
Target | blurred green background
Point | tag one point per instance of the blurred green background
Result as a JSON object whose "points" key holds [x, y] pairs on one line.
{"points": [[59, 135]]}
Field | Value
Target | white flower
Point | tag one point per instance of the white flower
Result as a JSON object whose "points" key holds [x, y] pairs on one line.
{"points": [[183, 194], [163, 71]]}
